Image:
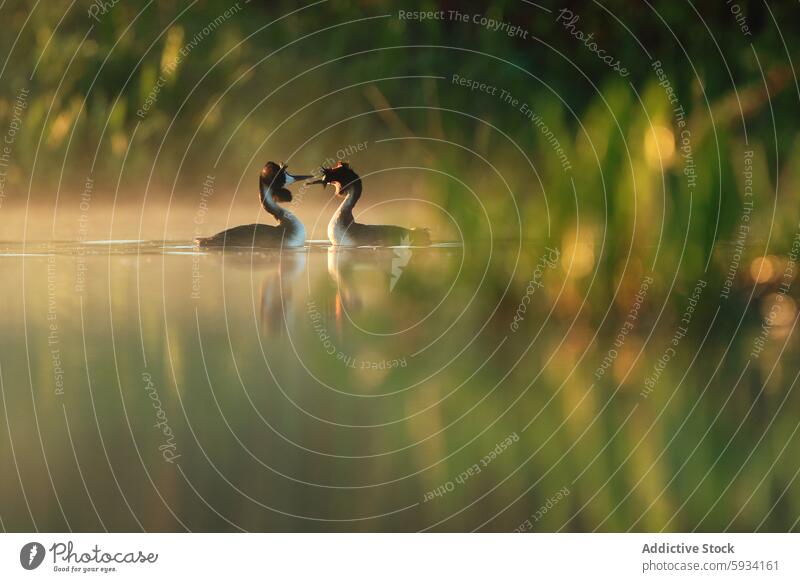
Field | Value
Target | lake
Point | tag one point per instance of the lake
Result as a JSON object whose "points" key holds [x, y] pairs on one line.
{"points": [[473, 385]]}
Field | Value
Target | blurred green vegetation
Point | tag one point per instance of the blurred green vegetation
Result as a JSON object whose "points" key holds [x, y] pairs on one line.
{"points": [[223, 98]]}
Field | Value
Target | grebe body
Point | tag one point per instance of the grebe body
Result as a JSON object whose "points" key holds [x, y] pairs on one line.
{"points": [[288, 233], [343, 230]]}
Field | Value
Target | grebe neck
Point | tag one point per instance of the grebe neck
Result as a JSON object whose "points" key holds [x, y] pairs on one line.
{"points": [[295, 232], [353, 193], [343, 217], [269, 204]]}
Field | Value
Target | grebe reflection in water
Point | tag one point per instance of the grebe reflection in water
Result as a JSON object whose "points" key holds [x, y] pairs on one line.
{"points": [[279, 288]]}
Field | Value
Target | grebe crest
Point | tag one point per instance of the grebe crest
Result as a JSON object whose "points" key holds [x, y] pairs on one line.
{"points": [[341, 176]]}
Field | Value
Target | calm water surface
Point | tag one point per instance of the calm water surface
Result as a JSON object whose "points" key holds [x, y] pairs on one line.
{"points": [[147, 386]]}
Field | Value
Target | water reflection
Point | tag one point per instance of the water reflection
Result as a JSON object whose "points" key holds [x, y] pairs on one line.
{"points": [[385, 389], [282, 275], [366, 278]]}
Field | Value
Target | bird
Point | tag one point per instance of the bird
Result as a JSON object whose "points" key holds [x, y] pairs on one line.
{"points": [[288, 233], [343, 230]]}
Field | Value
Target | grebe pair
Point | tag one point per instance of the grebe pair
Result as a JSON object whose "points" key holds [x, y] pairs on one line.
{"points": [[343, 230]]}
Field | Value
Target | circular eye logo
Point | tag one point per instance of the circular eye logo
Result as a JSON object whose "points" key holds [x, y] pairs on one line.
{"points": [[31, 555]]}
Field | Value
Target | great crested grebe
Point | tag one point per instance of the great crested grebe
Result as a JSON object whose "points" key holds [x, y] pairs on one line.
{"points": [[289, 232], [343, 230]]}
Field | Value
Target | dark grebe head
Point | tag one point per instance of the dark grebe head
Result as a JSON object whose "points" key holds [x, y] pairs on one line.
{"points": [[341, 174], [274, 178]]}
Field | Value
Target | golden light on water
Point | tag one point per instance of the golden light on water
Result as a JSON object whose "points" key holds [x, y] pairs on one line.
{"points": [[659, 146]]}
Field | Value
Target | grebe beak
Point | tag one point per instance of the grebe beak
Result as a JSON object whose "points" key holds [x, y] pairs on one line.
{"points": [[294, 178], [319, 179]]}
